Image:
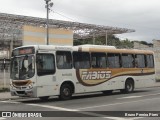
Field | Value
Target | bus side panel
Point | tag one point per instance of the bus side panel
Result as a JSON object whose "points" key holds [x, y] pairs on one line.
{"points": [[150, 82], [108, 85], [112, 84], [47, 85], [144, 81]]}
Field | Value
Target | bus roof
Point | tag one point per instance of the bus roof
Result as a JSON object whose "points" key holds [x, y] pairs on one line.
{"points": [[90, 48], [111, 49], [98, 46]]}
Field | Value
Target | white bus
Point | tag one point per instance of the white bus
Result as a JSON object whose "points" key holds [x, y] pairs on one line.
{"points": [[47, 70]]}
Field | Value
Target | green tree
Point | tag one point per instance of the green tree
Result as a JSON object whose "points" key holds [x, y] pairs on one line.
{"points": [[126, 44], [101, 40]]}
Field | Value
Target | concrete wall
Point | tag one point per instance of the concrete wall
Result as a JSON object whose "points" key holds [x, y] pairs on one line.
{"points": [[138, 45], [37, 36], [156, 49]]}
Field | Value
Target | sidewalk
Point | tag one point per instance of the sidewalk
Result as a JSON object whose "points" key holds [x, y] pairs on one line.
{"points": [[157, 84], [7, 95]]}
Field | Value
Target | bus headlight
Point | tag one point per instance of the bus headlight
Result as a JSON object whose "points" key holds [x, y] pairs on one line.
{"points": [[30, 86], [11, 86]]}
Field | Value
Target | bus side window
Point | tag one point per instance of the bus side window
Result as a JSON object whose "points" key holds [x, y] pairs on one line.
{"points": [[81, 60], [150, 61], [136, 62], [45, 64], [128, 61], [140, 61], [64, 60], [98, 60], [113, 60], [40, 65]]}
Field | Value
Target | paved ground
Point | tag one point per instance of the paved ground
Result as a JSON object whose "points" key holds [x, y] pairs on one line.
{"points": [[93, 105], [84, 106], [7, 95]]}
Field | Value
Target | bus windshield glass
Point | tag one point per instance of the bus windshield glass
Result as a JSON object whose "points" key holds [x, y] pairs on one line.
{"points": [[22, 67]]}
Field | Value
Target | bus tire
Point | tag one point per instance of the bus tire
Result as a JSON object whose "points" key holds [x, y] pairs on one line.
{"points": [[65, 92], [44, 98], [129, 87]]}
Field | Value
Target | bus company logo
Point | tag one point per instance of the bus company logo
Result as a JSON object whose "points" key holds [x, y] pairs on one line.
{"points": [[6, 114], [95, 75]]}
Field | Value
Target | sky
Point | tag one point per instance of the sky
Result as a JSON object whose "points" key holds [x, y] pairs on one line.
{"points": [[141, 15]]}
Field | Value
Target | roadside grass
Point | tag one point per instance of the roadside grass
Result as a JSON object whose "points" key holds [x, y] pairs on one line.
{"points": [[4, 89], [157, 80]]}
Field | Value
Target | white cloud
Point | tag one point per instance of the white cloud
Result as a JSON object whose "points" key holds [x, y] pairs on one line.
{"points": [[141, 15]]}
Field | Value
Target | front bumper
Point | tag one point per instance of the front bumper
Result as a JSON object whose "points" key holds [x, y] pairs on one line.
{"points": [[23, 92]]}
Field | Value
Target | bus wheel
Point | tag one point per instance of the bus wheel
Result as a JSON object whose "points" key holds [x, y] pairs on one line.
{"points": [[129, 87], [107, 92], [44, 98], [65, 92]]}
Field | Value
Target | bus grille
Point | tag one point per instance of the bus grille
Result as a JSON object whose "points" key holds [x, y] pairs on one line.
{"points": [[21, 92], [21, 83]]}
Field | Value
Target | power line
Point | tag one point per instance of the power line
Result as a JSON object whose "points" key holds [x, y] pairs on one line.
{"points": [[63, 15], [120, 37]]}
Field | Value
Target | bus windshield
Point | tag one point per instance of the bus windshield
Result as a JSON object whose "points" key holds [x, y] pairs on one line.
{"points": [[22, 67]]}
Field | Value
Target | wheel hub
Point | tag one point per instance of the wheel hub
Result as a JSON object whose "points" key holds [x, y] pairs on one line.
{"points": [[66, 91], [129, 87]]}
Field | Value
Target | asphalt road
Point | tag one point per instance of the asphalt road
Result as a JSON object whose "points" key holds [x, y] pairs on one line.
{"points": [[91, 106]]}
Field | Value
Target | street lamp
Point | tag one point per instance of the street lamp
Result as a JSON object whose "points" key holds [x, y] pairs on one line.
{"points": [[48, 6]]}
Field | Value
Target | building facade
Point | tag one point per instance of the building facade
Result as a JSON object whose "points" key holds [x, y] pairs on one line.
{"points": [[156, 49]]}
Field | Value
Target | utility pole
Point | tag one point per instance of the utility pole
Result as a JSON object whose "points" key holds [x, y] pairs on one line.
{"points": [[106, 38], [48, 6], [4, 73]]}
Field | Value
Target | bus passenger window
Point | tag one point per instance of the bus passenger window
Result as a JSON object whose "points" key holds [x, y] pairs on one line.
{"points": [[140, 61], [81, 60], [150, 61], [98, 60], [64, 60], [113, 60], [127, 60], [45, 64]]}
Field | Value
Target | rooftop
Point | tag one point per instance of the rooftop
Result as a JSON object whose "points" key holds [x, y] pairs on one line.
{"points": [[11, 27]]}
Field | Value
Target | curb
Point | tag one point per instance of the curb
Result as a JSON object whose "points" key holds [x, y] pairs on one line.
{"points": [[11, 98], [8, 96]]}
